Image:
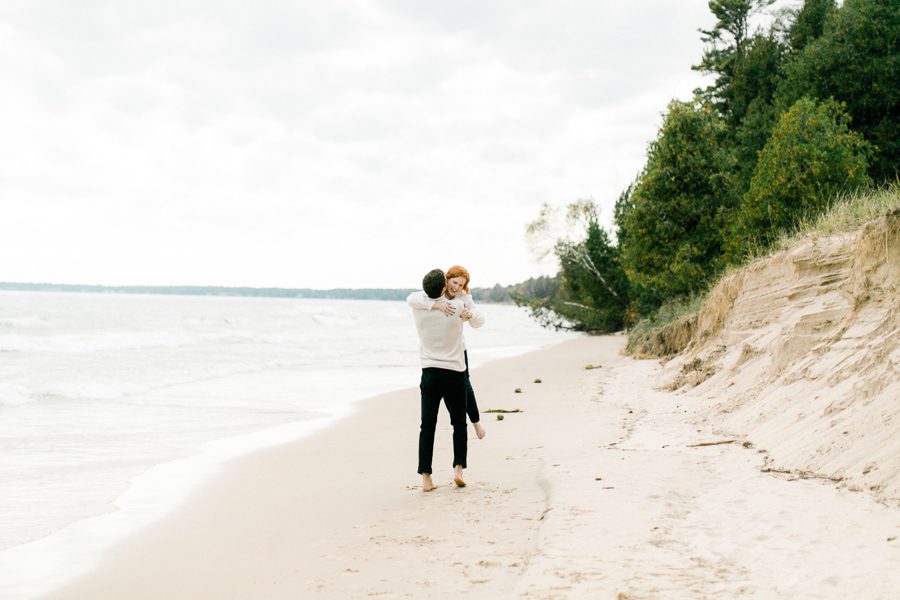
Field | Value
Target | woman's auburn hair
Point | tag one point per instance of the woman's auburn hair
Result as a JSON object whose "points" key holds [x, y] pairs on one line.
{"points": [[458, 271]]}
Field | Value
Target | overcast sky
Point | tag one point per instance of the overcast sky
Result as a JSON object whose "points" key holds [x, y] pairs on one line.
{"points": [[319, 144]]}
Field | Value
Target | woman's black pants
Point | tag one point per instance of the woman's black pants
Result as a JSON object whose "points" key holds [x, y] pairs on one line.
{"points": [[471, 405]]}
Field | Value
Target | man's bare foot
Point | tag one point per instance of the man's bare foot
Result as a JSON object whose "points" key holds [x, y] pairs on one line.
{"points": [[479, 430], [427, 484], [457, 476]]}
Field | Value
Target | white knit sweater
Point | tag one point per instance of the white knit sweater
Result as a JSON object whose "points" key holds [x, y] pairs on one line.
{"points": [[441, 342]]}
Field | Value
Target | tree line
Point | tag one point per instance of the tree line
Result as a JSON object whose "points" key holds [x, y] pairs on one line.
{"points": [[797, 114], [497, 294]]}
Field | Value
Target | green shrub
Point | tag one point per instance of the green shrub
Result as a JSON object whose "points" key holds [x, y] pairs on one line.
{"points": [[811, 157]]}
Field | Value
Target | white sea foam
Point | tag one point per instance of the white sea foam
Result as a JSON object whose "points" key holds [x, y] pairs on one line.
{"points": [[152, 394], [22, 321], [14, 395], [105, 342]]}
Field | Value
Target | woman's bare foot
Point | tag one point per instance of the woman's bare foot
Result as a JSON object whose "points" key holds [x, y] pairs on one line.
{"points": [[457, 476], [427, 484], [479, 430]]}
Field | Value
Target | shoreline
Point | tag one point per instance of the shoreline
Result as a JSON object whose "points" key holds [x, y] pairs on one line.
{"points": [[50, 562], [360, 411], [596, 489]]}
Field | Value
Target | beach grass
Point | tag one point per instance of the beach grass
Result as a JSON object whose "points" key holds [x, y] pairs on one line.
{"points": [[847, 212]]}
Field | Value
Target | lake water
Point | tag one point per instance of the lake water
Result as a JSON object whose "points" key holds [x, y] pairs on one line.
{"points": [[113, 407]]}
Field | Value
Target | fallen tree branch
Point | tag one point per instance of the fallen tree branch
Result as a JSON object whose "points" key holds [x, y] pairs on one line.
{"points": [[711, 443]]}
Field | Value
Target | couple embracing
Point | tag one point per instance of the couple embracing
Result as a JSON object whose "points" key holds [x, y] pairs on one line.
{"points": [[440, 310]]}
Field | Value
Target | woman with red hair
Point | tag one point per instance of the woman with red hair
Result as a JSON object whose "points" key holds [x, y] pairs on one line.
{"points": [[457, 286]]}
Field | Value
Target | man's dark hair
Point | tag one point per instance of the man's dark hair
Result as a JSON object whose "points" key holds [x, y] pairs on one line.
{"points": [[433, 283]]}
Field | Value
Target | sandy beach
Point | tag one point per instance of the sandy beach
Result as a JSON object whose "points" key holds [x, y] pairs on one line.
{"points": [[604, 486]]}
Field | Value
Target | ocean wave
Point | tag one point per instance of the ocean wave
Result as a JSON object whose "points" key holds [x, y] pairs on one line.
{"points": [[12, 394], [106, 341], [28, 321]]}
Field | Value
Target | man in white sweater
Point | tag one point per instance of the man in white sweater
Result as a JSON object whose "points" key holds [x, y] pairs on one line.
{"points": [[441, 349]]}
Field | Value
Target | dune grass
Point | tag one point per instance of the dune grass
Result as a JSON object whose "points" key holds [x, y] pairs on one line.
{"points": [[847, 213]]}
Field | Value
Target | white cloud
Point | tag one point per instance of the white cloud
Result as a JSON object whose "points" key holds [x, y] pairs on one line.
{"points": [[351, 143]]}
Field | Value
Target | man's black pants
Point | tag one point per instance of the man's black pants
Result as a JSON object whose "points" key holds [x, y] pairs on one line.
{"points": [[451, 386]]}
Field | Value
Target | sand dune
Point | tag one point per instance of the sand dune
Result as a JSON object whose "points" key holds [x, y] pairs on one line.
{"points": [[800, 354]]}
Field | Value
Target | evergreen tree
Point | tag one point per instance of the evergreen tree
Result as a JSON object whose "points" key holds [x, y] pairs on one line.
{"points": [[752, 115], [856, 60], [755, 75], [592, 289], [808, 23], [812, 156], [620, 214], [746, 68], [673, 222], [749, 139], [725, 54], [593, 286]]}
